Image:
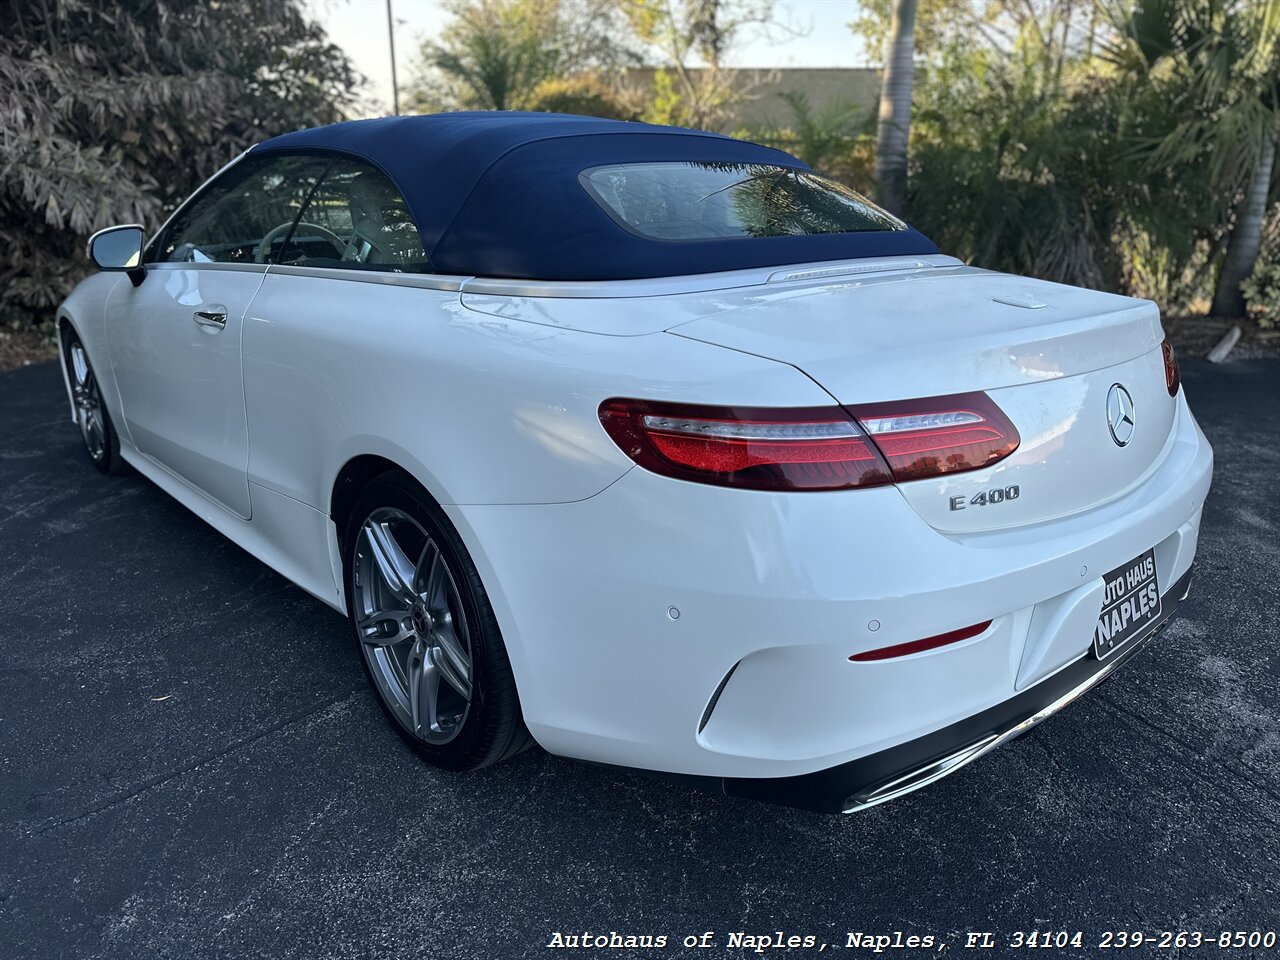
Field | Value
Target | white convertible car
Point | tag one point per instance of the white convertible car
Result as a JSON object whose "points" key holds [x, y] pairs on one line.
{"points": [[649, 445]]}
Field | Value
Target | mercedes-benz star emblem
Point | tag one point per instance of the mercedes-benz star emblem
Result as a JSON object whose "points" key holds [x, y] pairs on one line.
{"points": [[1120, 414]]}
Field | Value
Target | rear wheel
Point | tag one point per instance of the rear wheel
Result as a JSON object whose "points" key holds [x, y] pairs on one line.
{"points": [[96, 429], [426, 631]]}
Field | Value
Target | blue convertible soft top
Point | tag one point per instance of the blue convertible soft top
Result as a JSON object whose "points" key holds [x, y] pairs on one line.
{"points": [[498, 194]]}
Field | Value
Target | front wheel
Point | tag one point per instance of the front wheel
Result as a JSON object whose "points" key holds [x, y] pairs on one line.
{"points": [[99, 434], [425, 629]]}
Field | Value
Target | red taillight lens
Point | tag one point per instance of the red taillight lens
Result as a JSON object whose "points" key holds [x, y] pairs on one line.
{"points": [[812, 448], [803, 448], [1172, 378], [923, 438], [919, 646]]}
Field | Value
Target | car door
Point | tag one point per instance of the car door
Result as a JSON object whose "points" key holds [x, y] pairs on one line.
{"points": [[175, 339], [325, 319]]}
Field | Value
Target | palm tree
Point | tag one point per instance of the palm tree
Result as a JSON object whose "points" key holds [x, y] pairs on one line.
{"points": [[1246, 236], [822, 134], [894, 127], [495, 54], [1219, 61]]}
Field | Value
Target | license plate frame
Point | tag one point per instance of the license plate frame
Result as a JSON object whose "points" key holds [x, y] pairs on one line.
{"points": [[1131, 604]]}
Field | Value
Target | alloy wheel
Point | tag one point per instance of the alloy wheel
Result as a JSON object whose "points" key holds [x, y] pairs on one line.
{"points": [[88, 403], [412, 626]]}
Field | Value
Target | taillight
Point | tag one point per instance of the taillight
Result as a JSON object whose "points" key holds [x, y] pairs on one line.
{"points": [[801, 448], [1172, 378], [926, 437], [812, 448]]}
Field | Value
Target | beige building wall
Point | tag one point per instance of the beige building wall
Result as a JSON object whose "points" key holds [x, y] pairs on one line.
{"points": [[825, 86]]}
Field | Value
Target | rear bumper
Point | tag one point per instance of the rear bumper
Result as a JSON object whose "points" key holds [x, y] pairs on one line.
{"points": [[699, 631], [895, 772]]}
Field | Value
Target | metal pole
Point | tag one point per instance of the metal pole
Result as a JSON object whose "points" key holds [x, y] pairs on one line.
{"points": [[391, 42]]}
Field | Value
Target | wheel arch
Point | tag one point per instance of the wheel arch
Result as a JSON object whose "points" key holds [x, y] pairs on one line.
{"points": [[356, 474], [364, 460], [65, 324], [83, 313]]}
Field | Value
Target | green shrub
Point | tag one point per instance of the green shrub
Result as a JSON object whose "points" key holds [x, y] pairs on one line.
{"points": [[584, 94], [1031, 160], [1262, 293], [836, 140], [117, 109]]}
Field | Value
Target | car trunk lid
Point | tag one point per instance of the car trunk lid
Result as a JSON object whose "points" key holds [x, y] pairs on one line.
{"points": [[1050, 356]]}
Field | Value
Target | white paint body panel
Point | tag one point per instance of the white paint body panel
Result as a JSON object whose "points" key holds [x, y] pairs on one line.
{"points": [[487, 392], [479, 408], [648, 306], [181, 384], [785, 585], [932, 331], [1066, 461]]}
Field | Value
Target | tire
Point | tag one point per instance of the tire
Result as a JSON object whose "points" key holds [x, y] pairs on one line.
{"points": [[423, 622], [96, 429]]}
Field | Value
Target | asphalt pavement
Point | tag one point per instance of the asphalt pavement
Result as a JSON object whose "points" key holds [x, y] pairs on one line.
{"points": [[191, 764]]}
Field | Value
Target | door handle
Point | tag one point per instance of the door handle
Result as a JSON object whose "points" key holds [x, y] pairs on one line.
{"points": [[215, 316]]}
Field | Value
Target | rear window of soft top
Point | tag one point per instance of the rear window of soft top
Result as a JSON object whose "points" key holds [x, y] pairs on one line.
{"points": [[690, 200]]}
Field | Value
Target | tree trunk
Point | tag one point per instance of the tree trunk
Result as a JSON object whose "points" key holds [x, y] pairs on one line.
{"points": [[895, 108], [1246, 238]]}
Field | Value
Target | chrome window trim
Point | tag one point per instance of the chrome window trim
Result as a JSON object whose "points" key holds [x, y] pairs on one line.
{"points": [[615, 289], [580, 289], [390, 278], [828, 271], [201, 265]]}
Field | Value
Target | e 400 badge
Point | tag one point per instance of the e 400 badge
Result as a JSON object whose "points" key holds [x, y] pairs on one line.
{"points": [[987, 498]]}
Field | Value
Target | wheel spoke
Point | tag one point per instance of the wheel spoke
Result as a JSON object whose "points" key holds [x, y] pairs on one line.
{"points": [[92, 432], [434, 590], [423, 689], [426, 565], [452, 661], [390, 560], [96, 432], [88, 404], [79, 365]]}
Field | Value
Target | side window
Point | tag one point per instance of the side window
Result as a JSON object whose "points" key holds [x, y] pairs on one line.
{"points": [[358, 205], [245, 215]]}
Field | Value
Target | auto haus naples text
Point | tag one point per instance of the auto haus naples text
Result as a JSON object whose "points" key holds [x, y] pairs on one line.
{"points": [[759, 942], [1137, 595]]}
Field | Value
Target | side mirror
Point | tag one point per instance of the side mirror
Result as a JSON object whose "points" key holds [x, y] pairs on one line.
{"points": [[119, 248]]}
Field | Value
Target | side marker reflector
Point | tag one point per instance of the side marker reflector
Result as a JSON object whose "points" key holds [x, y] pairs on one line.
{"points": [[918, 646]]}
